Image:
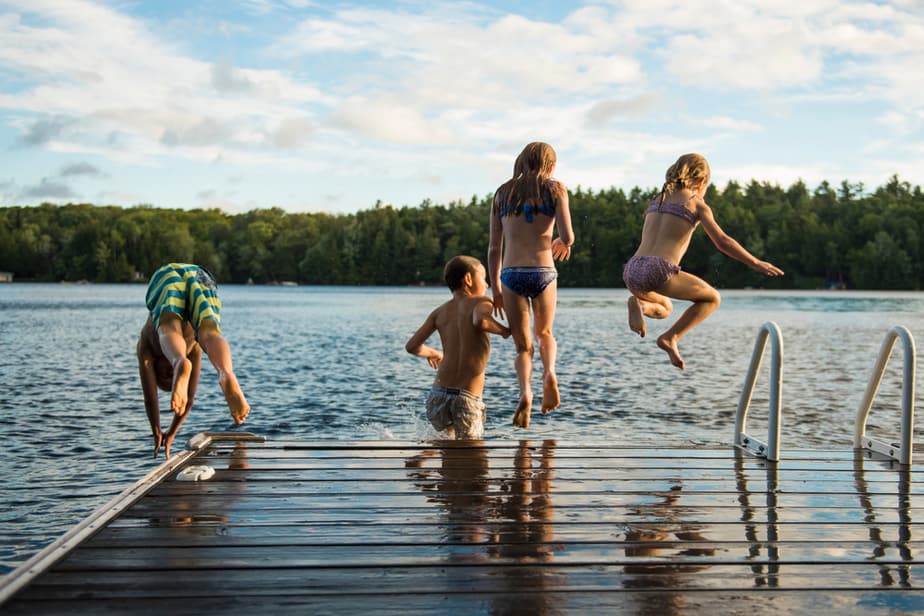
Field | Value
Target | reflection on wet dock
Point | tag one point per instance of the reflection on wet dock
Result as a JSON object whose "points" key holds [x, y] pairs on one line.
{"points": [[498, 527]]}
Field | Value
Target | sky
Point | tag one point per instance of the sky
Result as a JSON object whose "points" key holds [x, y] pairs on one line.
{"points": [[328, 106]]}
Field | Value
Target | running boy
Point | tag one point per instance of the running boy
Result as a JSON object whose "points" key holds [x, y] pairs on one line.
{"points": [[184, 319], [653, 274], [464, 324]]}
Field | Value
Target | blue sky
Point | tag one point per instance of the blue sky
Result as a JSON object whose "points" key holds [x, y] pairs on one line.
{"points": [[329, 106]]}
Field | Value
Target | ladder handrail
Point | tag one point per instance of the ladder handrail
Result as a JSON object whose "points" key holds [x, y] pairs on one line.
{"points": [[860, 440], [771, 449]]}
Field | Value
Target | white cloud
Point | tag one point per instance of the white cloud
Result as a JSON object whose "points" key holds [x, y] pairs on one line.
{"points": [[782, 174], [204, 131], [731, 124], [132, 85], [45, 129], [230, 29], [741, 50], [80, 169], [316, 35], [389, 121], [259, 7], [462, 61], [899, 122], [601, 112], [48, 189], [292, 132]]}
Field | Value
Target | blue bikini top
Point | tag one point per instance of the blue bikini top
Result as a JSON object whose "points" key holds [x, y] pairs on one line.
{"points": [[528, 210]]}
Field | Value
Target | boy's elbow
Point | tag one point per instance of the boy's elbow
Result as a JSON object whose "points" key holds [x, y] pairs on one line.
{"points": [[413, 349]]}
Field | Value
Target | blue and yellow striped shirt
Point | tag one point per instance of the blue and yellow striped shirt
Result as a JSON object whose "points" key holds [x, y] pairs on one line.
{"points": [[187, 290]]}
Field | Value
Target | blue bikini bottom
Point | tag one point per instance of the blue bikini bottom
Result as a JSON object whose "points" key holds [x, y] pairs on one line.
{"points": [[528, 281]]}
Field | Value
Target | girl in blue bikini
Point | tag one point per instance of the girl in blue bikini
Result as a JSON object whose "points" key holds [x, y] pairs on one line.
{"points": [[526, 210], [654, 276]]}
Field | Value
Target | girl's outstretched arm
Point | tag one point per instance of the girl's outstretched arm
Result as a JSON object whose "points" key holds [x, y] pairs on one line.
{"points": [[495, 253], [729, 246]]}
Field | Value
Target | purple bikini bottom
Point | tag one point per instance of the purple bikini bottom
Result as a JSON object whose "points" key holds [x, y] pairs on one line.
{"points": [[645, 274]]}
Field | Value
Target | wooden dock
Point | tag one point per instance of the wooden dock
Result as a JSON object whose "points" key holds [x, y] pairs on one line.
{"points": [[493, 527]]}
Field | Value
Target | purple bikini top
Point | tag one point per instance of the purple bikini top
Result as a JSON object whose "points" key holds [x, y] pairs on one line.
{"points": [[677, 209]]}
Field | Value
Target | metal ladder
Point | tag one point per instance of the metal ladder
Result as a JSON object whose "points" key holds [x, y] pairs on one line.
{"points": [[771, 449], [898, 451]]}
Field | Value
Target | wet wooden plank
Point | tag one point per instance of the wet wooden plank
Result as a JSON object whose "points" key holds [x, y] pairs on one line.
{"points": [[350, 533], [627, 553], [468, 578], [500, 449], [665, 600], [217, 497], [429, 514], [277, 470]]}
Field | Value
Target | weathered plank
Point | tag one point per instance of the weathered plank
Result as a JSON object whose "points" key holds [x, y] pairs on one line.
{"points": [[666, 600], [351, 533], [466, 578]]}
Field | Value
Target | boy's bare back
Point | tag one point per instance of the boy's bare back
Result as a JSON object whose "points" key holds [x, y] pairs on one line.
{"points": [[466, 345]]}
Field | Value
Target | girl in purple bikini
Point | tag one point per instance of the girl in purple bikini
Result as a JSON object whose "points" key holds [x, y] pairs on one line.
{"points": [[526, 210], [654, 276]]}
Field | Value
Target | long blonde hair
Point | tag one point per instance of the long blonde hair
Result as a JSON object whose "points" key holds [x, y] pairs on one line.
{"points": [[687, 172], [532, 169]]}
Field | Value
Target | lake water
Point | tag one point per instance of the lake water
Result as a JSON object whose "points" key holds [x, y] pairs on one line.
{"points": [[329, 363]]}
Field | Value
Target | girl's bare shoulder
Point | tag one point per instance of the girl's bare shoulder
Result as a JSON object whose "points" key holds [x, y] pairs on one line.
{"points": [[557, 187], [699, 205]]}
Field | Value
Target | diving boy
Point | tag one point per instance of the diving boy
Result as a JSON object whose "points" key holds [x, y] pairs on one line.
{"points": [[184, 319]]}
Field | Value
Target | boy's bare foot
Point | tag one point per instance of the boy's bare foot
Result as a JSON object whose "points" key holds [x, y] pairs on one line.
{"points": [[179, 393], [158, 442], [670, 346], [550, 395], [636, 318], [521, 416], [237, 404]]}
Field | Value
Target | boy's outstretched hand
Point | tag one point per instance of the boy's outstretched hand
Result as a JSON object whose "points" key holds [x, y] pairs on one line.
{"points": [[560, 252]]}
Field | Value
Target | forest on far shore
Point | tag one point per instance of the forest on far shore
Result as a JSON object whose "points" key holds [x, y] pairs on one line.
{"points": [[826, 236]]}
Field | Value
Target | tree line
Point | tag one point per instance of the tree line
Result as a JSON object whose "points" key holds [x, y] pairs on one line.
{"points": [[828, 235]]}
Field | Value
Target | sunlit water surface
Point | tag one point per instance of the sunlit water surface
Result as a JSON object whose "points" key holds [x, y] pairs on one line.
{"points": [[329, 363]]}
